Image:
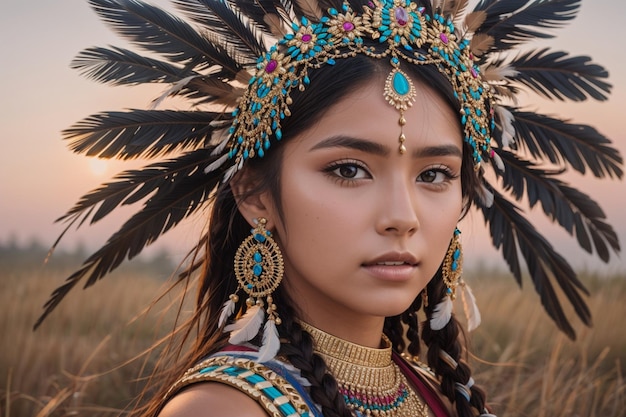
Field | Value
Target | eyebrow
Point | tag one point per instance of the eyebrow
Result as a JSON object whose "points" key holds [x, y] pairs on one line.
{"points": [[368, 146]]}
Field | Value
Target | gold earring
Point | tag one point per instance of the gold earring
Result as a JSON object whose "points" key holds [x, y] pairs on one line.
{"points": [[453, 265], [259, 267]]}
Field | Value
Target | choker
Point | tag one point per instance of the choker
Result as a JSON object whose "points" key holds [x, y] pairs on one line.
{"points": [[370, 382]]}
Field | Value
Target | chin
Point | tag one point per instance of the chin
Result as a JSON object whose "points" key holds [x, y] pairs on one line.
{"points": [[392, 306]]}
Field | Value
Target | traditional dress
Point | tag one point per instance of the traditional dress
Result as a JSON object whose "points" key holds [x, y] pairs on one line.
{"points": [[373, 382]]}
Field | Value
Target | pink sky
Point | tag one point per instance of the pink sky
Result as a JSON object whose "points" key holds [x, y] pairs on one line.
{"points": [[41, 96]]}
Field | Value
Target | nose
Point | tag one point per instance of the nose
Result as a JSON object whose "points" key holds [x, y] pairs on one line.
{"points": [[398, 210]]}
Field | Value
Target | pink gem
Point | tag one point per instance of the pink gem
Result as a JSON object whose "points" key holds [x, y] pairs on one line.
{"points": [[474, 73], [444, 38], [348, 26], [271, 66], [306, 37], [402, 17]]}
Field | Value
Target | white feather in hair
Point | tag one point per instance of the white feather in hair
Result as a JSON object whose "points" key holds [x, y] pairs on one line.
{"points": [[470, 307], [227, 311], [442, 314], [247, 327], [270, 343]]}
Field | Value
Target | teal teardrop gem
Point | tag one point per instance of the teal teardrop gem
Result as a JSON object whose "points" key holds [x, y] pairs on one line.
{"points": [[257, 257], [257, 270], [401, 84]]}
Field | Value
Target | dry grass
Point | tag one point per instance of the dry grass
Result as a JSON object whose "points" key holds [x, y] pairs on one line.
{"points": [[529, 368], [74, 365]]}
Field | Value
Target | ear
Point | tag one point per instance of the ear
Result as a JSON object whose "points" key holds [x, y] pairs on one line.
{"points": [[251, 203]]}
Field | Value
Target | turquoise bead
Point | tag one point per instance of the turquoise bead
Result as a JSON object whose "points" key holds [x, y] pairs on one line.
{"points": [[401, 84]]}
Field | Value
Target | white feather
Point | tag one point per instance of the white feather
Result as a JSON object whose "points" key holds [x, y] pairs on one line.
{"points": [[230, 172], [216, 164], [470, 307], [486, 196], [175, 88], [247, 327], [506, 122], [442, 314], [271, 342], [507, 71], [227, 311], [499, 163], [222, 145]]}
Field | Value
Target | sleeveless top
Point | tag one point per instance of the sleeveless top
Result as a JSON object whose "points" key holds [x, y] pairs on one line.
{"points": [[280, 389]]}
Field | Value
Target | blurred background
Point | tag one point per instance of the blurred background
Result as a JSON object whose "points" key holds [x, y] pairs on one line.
{"points": [[76, 363]]}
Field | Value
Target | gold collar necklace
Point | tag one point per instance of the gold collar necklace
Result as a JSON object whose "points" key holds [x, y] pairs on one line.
{"points": [[370, 382]]}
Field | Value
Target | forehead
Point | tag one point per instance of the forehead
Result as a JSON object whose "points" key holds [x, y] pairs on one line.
{"points": [[365, 113]]}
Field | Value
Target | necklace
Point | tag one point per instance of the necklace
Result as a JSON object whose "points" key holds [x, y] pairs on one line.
{"points": [[370, 382]]}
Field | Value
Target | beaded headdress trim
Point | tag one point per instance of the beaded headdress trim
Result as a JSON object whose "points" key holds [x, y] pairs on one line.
{"points": [[403, 31]]}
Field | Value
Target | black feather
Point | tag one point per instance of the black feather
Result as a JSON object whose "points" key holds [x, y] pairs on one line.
{"points": [[159, 31], [570, 208], [226, 27], [256, 10], [118, 66], [141, 133], [512, 22], [557, 75], [580, 146], [545, 265], [183, 189]]}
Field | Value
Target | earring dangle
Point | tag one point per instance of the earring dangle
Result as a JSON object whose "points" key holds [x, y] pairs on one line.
{"points": [[259, 269], [451, 273], [452, 265]]}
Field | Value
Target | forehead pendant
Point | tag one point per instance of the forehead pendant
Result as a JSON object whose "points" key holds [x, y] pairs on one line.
{"points": [[400, 93]]}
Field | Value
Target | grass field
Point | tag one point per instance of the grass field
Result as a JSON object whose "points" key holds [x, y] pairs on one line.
{"points": [[76, 364]]}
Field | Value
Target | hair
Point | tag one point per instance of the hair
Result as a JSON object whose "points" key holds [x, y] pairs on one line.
{"points": [[228, 229]]}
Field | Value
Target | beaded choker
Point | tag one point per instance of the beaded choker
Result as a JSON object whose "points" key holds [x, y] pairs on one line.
{"points": [[370, 382]]}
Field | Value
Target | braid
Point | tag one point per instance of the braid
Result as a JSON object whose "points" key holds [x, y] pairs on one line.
{"points": [[444, 357], [409, 317], [299, 351]]}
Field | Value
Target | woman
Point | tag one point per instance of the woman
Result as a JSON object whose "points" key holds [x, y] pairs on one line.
{"points": [[362, 227], [322, 250]]}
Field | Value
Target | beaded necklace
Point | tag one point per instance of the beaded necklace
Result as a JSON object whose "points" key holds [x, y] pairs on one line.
{"points": [[370, 382]]}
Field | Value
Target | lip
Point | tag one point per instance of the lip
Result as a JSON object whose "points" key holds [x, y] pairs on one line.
{"points": [[392, 272]]}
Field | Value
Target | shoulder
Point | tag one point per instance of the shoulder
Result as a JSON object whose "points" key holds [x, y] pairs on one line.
{"points": [[212, 399], [235, 384]]}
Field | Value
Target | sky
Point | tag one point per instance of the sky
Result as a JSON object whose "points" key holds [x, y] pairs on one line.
{"points": [[41, 96]]}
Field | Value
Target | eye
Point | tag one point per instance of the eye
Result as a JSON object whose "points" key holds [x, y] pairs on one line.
{"points": [[348, 170], [436, 175]]}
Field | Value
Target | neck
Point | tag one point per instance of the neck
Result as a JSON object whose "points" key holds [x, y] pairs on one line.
{"points": [[342, 350], [362, 330]]}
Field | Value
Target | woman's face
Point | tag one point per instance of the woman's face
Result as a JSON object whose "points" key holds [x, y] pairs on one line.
{"points": [[364, 227]]}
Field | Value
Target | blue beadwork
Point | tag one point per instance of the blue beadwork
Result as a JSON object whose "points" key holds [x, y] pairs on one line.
{"points": [[408, 32]]}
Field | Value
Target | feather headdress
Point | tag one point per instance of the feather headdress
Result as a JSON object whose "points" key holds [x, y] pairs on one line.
{"points": [[207, 56]]}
